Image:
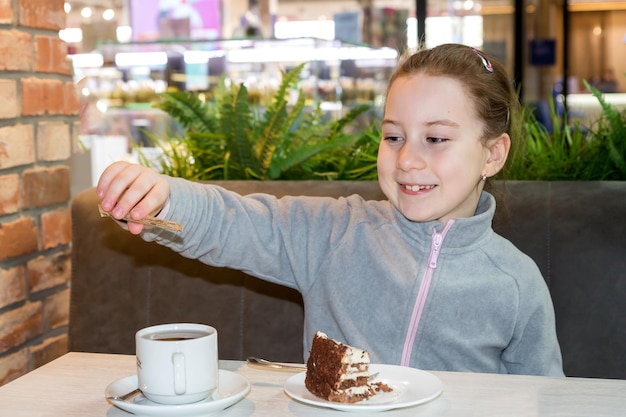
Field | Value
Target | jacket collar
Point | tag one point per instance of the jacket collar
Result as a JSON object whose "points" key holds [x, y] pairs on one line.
{"points": [[464, 231]]}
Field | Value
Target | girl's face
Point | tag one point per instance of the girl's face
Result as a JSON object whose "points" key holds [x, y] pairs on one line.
{"points": [[431, 159]]}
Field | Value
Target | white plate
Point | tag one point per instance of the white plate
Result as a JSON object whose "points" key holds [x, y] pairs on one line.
{"points": [[232, 388], [410, 387]]}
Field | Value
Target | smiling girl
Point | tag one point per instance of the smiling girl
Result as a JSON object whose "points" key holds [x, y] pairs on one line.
{"points": [[419, 280]]}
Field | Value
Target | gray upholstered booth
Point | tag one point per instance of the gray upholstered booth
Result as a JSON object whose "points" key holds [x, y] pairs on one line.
{"points": [[575, 231]]}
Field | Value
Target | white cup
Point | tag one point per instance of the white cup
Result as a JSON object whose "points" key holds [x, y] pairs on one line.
{"points": [[177, 363]]}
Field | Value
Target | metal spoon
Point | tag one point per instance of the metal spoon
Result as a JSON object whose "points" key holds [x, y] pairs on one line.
{"points": [[125, 397], [279, 366]]}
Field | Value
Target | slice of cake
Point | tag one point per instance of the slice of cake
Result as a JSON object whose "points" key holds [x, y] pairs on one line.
{"points": [[338, 372]]}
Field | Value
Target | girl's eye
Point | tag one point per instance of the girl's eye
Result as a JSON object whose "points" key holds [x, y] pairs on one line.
{"points": [[393, 138], [436, 140]]}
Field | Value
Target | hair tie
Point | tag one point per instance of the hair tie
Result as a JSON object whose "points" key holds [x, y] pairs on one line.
{"points": [[485, 61]]}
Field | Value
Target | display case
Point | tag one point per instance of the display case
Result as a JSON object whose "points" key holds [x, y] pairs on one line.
{"points": [[132, 74], [119, 82]]}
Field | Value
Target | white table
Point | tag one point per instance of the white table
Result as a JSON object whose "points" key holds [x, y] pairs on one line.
{"points": [[73, 386]]}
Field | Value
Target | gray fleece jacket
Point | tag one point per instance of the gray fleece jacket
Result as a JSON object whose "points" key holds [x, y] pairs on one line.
{"points": [[457, 297]]}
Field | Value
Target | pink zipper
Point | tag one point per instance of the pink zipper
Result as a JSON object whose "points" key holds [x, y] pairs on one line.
{"points": [[435, 249]]}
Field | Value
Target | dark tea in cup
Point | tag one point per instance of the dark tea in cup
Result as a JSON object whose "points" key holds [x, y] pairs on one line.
{"points": [[176, 336]]}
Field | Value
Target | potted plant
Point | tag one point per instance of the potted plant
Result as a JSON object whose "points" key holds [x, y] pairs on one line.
{"points": [[228, 138], [571, 151]]}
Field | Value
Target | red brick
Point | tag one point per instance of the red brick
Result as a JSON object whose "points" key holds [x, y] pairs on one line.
{"points": [[54, 96], [56, 311], [16, 51], [6, 12], [20, 325], [56, 228], [13, 366], [12, 285], [44, 14], [9, 107], [47, 272], [17, 146], [18, 238], [45, 186], [9, 193], [44, 54], [32, 93], [72, 101], [53, 141], [36, 82], [48, 350], [51, 55], [42, 96]]}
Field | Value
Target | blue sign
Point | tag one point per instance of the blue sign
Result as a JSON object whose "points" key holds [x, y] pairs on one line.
{"points": [[348, 26], [542, 52]]}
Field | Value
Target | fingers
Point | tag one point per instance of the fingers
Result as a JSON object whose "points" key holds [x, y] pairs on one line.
{"points": [[134, 228], [133, 189], [108, 175]]}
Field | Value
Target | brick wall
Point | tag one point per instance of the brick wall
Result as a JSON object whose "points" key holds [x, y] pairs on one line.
{"points": [[38, 119]]}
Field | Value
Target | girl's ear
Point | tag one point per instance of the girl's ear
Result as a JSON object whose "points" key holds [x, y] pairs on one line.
{"points": [[498, 152]]}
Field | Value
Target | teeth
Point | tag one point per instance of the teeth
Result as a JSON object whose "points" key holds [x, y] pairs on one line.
{"points": [[418, 187]]}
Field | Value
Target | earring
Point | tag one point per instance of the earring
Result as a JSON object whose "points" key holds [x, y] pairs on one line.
{"points": [[484, 178]]}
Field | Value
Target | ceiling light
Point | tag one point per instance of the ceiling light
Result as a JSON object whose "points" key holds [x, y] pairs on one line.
{"points": [[144, 59], [86, 12], [108, 14], [597, 30], [91, 60], [67, 7], [201, 57], [71, 35], [124, 34]]}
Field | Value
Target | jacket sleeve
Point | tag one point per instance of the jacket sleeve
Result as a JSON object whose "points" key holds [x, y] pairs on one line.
{"points": [[280, 240], [534, 348]]}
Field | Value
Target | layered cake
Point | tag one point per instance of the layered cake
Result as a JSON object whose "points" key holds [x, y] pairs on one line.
{"points": [[338, 372]]}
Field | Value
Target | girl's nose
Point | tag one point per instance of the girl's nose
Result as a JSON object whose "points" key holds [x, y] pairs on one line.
{"points": [[410, 158]]}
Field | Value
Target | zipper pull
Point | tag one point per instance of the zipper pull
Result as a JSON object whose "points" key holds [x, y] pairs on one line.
{"points": [[434, 249], [436, 245]]}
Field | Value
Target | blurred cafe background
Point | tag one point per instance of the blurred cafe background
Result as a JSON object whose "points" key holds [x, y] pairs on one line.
{"points": [[126, 51]]}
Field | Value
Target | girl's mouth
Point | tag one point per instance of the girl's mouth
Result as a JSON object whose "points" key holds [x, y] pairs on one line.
{"points": [[416, 188]]}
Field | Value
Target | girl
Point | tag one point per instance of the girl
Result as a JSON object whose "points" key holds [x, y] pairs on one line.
{"points": [[419, 280]]}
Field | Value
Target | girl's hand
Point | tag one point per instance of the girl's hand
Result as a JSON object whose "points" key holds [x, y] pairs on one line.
{"points": [[126, 188]]}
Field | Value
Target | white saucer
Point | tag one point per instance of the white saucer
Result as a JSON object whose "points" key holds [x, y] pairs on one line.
{"points": [[410, 387], [232, 388]]}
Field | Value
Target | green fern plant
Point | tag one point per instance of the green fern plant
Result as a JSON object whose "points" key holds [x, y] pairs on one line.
{"points": [[610, 132], [356, 162], [571, 151], [227, 138]]}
